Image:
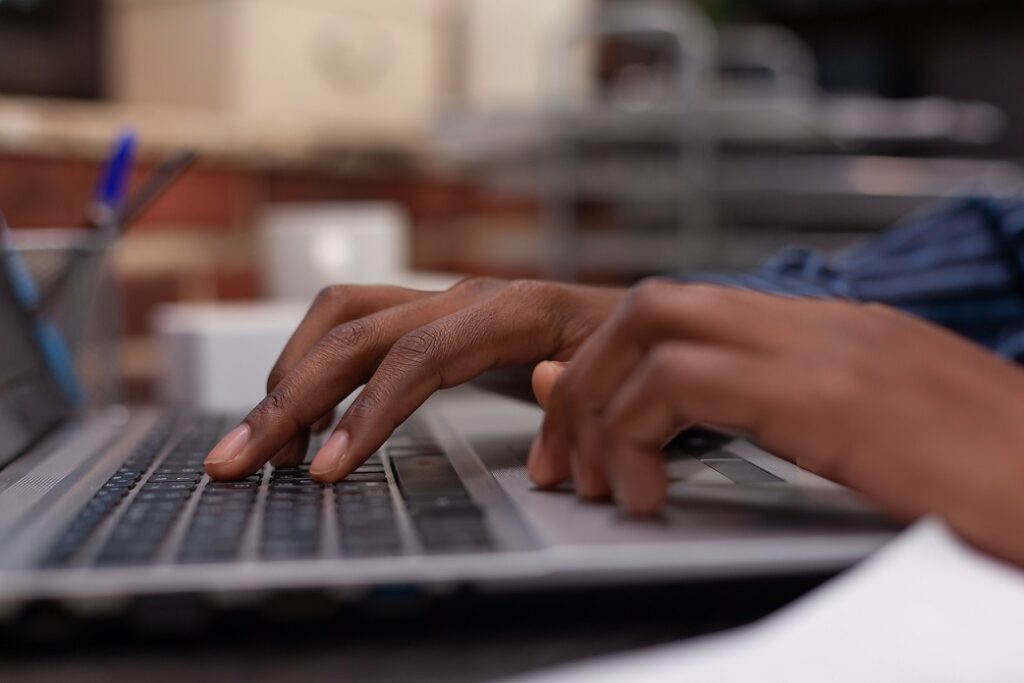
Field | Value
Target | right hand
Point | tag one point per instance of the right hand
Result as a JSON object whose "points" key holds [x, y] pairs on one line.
{"points": [[403, 345]]}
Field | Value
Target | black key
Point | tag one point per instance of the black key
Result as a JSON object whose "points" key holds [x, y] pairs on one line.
{"points": [[111, 494], [166, 468], [290, 473], [232, 486], [167, 486], [294, 483], [174, 477], [175, 495], [129, 472], [345, 487], [218, 504], [366, 477], [122, 479], [293, 496]]}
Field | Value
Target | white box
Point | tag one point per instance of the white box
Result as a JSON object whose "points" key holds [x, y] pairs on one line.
{"points": [[306, 247], [326, 66], [216, 357], [511, 48]]}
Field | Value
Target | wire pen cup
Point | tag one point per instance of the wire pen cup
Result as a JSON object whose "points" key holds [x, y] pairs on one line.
{"points": [[78, 296]]}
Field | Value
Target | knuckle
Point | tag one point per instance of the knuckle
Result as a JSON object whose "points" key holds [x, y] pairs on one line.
{"points": [[703, 295], [350, 335], [332, 296], [418, 347], [527, 291], [477, 285], [663, 361], [273, 408], [277, 374], [273, 403], [367, 404], [657, 282], [549, 305], [645, 300]]}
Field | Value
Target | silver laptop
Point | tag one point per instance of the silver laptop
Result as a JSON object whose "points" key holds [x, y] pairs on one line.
{"points": [[102, 508]]}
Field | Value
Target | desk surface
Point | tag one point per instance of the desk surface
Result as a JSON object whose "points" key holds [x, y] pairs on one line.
{"points": [[457, 639]]}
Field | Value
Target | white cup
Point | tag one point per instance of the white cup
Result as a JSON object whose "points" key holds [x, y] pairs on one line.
{"points": [[309, 246]]}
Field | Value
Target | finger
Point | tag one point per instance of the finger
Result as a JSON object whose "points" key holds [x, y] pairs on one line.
{"points": [[430, 358], [292, 453], [653, 311], [678, 384], [331, 307], [343, 359], [544, 377]]}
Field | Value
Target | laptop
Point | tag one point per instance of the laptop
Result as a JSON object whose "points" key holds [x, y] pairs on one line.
{"points": [[112, 505]]}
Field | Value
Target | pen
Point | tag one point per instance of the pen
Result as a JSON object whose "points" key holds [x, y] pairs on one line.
{"points": [[116, 220], [113, 182], [58, 356]]}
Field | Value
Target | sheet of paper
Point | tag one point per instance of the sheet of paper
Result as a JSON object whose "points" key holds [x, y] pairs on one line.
{"points": [[925, 608]]}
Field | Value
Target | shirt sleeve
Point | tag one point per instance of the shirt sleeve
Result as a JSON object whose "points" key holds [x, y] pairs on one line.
{"points": [[959, 264]]}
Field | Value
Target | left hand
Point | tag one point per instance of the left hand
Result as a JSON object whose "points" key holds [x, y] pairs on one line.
{"points": [[913, 416]]}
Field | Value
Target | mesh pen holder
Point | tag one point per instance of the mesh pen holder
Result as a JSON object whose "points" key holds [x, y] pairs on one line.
{"points": [[79, 298]]}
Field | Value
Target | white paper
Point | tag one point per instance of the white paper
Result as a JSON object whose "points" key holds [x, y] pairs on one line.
{"points": [[925, 608]]}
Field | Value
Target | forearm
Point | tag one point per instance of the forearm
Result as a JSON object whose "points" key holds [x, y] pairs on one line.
{"points": [[959, 264]]}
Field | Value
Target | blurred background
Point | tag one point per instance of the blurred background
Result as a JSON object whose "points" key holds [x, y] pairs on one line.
{"points": [[416, 141]]}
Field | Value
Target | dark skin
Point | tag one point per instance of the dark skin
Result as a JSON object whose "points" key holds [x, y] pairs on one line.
{"points": [[916, 418]]}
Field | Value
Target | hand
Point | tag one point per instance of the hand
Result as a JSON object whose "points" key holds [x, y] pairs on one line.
{"points": [[404, 345], [915, 417]]}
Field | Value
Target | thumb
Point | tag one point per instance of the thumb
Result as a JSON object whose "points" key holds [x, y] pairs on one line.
{"points": [[544, 377]]}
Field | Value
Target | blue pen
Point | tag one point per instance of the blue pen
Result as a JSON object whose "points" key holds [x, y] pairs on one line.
{"points": [[113, 183], [57, 354]]}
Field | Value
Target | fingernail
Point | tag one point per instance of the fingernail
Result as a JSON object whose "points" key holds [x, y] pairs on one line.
{"points": [[230, 447], [329, 457]]}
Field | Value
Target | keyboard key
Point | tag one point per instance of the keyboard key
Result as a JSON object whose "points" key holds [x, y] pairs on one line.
{"points": [[178, 477], [366, 476], [113, 491], [167, 486]]}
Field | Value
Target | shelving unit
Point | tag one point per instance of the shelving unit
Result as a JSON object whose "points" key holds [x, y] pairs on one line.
{"points": [[721, 167]]}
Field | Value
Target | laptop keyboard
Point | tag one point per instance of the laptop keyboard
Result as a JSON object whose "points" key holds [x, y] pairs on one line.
{"points": [[159, 507]]}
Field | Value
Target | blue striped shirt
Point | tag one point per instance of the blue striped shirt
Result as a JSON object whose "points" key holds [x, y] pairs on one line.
{"points": [[959, 264]]}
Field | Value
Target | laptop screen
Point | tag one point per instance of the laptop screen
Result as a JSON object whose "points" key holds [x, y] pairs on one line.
{"points": [[30, 401]]}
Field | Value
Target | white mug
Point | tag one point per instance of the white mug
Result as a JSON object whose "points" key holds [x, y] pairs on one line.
{"points": [[309, 246]]}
